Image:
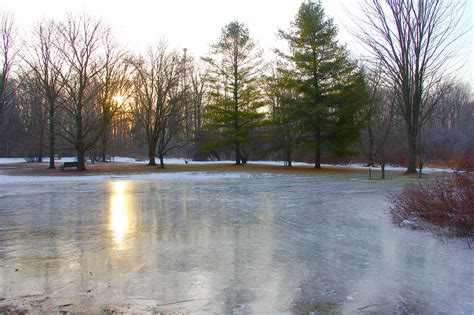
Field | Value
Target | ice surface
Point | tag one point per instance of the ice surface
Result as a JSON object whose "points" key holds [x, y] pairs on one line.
{"points": [[7, 179], [221, 243]]}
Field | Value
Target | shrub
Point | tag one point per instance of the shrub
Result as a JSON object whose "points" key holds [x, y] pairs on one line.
{"points": [[443, 205], [465, 161]]}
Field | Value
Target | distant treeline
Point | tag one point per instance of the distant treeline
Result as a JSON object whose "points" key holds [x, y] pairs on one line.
{"points": [[68, 88]]}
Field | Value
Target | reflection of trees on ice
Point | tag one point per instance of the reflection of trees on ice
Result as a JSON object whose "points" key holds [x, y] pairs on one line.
{"points": [[222, 242]]}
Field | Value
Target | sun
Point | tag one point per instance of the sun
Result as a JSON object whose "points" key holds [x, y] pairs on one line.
{"points": [[118, 99]]}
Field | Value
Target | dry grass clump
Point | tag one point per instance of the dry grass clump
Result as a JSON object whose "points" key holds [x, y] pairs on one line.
{"points": [[447, 205]]}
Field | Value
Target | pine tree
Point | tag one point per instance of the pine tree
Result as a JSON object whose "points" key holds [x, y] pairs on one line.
{"points": [[331, 89], [235, 94], [283, 134]]}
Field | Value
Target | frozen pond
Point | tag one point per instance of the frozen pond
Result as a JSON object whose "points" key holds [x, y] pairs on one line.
{"points": [[222, 243]]}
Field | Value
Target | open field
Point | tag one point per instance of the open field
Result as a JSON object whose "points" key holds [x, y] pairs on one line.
{"points": [[123, 168]]}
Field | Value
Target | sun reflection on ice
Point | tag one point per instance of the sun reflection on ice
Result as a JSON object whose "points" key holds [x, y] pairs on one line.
{"points": [[119, 212]]}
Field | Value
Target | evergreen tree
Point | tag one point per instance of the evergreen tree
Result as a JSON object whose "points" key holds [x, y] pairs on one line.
{"points": [[331, 89], [235, 93], [283, 134]]}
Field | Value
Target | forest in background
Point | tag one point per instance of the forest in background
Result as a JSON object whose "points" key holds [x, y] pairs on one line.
{"points": [[69, 89]]}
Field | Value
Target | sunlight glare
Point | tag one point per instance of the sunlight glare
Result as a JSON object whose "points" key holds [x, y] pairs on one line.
{"points": [[118, 99], [119, 212]]}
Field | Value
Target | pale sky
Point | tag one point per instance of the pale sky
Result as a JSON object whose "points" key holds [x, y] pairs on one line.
{"points": [[194, 24]]}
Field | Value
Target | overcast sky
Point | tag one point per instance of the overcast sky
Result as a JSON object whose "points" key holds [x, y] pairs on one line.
{"points": [[194, 24]]}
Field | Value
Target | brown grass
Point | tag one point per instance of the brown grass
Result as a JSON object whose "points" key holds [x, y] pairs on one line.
{"points": [[115, 168]]}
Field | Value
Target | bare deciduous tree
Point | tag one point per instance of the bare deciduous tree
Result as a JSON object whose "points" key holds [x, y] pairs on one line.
{"points": [[199, 82], [454, 108], [378, 115], [414, 40], [157, 77], [85, 47], [7, 55], [8, 51], [115, 86], [45, 65], [34, 114]]}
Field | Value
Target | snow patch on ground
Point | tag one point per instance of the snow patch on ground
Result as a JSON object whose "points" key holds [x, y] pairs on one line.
{"points": [[393, 168], [11, 160], [172, 160]]}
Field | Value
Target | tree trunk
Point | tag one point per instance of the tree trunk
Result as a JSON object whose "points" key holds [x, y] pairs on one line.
{"points": [[412, 151], [288, 157], [104, 146], [2, 95], [370, 155], [40, 152], [420, 165], [162, 163], [51, 138], [237, 153], [382, 166], [40, 146], [317, 158], [2, 105], [235, 93], [81, 165], [151, 155], [80, 144], [51, 145]]}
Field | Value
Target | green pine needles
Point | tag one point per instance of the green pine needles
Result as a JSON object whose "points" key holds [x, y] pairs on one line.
{"points": [[233, 111], [331, 89]]}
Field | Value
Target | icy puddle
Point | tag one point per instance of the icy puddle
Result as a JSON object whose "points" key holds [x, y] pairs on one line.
{"points": [[221, 243]]}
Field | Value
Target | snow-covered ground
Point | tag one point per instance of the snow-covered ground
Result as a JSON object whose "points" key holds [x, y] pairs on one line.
{"points": [[12, 160], [394, 168], [172, 160]]}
